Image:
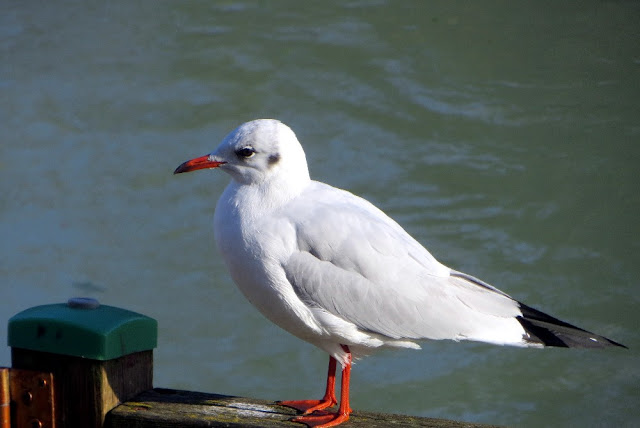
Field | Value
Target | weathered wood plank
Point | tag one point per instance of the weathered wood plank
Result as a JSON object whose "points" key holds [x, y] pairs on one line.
{"points": [[170, 408]]}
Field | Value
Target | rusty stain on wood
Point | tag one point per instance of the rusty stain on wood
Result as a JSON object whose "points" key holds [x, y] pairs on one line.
{"points": [[32, 397], [85, 390]]}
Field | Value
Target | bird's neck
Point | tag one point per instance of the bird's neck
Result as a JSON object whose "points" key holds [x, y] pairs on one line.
{"points": [[258, 199]]}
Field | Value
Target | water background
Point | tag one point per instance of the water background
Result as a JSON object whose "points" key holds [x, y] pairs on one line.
{"points": [[502, 135]]}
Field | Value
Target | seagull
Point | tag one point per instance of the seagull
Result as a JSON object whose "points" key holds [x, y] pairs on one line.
{"points": [[332, 269]]}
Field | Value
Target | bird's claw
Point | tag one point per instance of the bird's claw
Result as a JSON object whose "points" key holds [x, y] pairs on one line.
{"points": [[322, 419], [309, 406]]}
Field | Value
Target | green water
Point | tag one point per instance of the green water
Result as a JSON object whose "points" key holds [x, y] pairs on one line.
{"points": [[504, 136]]}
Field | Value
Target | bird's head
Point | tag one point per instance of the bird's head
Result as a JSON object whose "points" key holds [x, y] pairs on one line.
{"points": [[254, 153]]}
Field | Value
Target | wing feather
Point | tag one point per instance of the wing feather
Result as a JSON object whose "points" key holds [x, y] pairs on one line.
{"points": [[356, 263]]}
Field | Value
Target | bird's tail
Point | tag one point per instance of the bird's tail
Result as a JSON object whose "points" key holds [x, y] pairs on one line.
{"points": [[543, 329]]}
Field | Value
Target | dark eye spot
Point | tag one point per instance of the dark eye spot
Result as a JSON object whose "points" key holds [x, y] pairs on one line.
{"points": [[273, 159], [245, 152]]}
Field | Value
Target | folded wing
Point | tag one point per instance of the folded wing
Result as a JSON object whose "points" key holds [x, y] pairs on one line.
{"points": [[356, 263]]}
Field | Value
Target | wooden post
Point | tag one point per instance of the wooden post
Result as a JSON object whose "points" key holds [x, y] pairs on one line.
{"points": [[99, 356]]}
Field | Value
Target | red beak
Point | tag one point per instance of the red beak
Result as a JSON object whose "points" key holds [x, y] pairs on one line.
{"points": [[202, 162]]}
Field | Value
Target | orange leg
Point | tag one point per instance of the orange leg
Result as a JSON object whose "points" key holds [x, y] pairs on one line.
{"points": [[329, 399], [324, 419]]}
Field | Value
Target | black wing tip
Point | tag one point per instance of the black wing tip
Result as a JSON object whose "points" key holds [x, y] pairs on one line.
{"points": [[546, 330]]}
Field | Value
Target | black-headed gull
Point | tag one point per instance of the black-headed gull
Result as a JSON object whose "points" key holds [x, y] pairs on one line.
{"points": [[334, 270]]}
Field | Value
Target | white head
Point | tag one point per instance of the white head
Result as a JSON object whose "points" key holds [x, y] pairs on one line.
{"points": [[256, 152]]}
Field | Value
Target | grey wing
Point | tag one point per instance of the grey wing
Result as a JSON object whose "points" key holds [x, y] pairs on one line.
{"points": [[356, 263]]}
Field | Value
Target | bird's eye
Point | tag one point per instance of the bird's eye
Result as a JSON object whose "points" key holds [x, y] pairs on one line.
{"points": [[245, 152]]}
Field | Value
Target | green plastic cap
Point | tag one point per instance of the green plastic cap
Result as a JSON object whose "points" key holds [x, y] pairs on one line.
{"points": [[83, 328]]}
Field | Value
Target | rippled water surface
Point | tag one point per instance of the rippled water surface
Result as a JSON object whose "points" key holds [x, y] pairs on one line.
{"points": [[504, 136]]}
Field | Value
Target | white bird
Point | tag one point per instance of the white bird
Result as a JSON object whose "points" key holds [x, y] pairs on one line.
{"points": [[332, 269]]}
